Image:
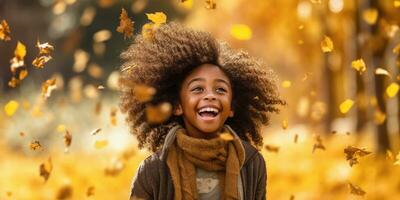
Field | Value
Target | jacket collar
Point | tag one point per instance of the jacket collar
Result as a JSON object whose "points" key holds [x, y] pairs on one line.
{"points": [[249, 151]]}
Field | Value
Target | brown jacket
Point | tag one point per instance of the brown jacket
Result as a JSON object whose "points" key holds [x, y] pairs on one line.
{"points": [[153, 180]]}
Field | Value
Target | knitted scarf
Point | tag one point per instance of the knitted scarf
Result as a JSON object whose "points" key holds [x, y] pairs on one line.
{"points": [[225, 156]]}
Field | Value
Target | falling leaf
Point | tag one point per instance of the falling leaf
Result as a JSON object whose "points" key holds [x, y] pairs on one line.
{"points": [[326, 44], [81, 58], [20, 51], [389, 155], [241, 32], [61, 128], [272, 148], [143, 93], [67, 140], [97, 109], [40, 61], [22, 134], [113, 116], [286, 84], [396, 49], [44, 48], [4, 31], [285, 124], [47, 87], [381, 71], [99, 144], [396, 3], [210, 4], [22, 74], [296, 138], [346, 105], [359, 65], [157, 18], [397, 162], [392, 89], [356, 190], [226, 136], [370, 15], [102, 35], [35, 145], [95, 131], [291, 197], [45, 169], [318, 144], [353, 153], [157, 114], [11, 107], [90, 191], [379, 116], [65, 192], [14, 82], [125, 25]]}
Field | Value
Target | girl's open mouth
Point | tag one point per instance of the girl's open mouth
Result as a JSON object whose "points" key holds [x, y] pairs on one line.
{"points": [[208, 114]]}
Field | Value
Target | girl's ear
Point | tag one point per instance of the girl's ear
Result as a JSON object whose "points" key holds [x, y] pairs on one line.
{"points": [[178, 110], [231, 113]]}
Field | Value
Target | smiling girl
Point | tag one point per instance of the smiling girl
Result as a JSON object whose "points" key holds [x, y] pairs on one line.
{"points": [[215, 92]]}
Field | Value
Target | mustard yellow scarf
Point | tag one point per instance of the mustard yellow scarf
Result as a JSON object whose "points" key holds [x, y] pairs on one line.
{"points": [[225, 156]]}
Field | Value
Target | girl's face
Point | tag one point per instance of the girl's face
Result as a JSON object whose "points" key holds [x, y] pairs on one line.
{"points": [[205, 101]]}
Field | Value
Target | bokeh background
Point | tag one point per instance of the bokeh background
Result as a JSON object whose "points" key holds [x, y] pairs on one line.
{"points": [[338, 67]]}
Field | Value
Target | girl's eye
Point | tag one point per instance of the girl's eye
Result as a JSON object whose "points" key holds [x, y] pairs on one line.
{"points": [[197, 89], [221, 90]]}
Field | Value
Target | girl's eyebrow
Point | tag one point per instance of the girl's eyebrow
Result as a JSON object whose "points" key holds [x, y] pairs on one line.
{"points": [[202, 79]]}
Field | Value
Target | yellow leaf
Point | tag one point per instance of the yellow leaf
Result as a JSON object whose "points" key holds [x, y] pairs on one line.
{"points": [[396, 49], [392, 89], [346, 105], [370, 15], [356, 190], [20, 51], [61, 128], [143, 93], [359, 65], [396, 3], [47, 87], [326, 44], [241, 32], [272, 148], [22, 74], [148, 31], [285, 124], [379, 116], [156, 114], [397, 159], [99, 144], [4, 31], [286, 84], [11, 107], [157, 18], [210, 4], [34, 145]]}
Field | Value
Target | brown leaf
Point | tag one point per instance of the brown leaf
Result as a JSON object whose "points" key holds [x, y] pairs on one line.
{"points": [[210, 4], [94, 132], [34, 145], [45, 169], [40, 61], [353, 153], [318, 144], [113, 116], [125, 25], [67, 139], [90, 191], [354, 189], [272, 148], [143, 93], [65, 192], [47, 87]]}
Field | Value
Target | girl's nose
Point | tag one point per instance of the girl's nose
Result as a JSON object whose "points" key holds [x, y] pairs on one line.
{"points": [[210, 96]]}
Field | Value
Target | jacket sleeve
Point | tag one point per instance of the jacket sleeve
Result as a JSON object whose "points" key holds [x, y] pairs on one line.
{"points": [[261, 190], [141, 188]]}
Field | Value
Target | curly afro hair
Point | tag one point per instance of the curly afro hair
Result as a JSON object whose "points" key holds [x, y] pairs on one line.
{"points": [[163, 61]]}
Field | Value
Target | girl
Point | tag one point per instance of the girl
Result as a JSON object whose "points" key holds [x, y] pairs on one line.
{"points": [[220, 99]]}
